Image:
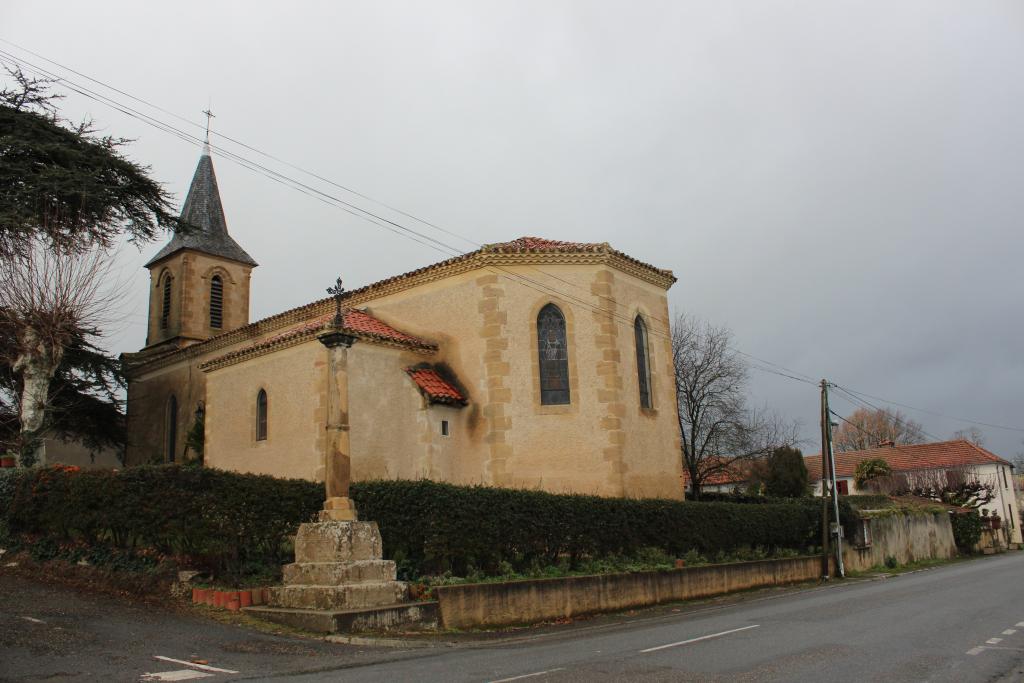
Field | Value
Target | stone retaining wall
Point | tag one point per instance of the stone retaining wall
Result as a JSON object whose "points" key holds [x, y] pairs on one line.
{"points": [[523, 602], [908, 538]]}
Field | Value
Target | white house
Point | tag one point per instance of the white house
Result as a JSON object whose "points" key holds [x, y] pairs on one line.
{"points": [[931, 462]]}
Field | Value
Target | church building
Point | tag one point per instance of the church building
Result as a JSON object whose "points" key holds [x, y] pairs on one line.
{"points": [[532, 363]]}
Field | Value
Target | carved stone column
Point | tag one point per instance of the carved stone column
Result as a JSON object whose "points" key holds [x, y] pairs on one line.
{"points": [[338, 466]]}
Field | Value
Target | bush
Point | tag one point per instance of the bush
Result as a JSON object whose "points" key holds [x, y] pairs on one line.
{"points": [[239, 523], [966, 530], [219, 520], [431, 528]]}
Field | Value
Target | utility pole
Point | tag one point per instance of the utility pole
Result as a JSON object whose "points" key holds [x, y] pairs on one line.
{"points": [[824, 479], [835, 486]]}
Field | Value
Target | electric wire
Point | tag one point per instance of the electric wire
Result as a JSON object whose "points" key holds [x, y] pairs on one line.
{"points": [[393, 226]]}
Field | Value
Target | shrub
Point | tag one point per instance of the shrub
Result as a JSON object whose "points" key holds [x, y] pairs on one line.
{"points": [[237, 523], [966, 530], [220, 520], [434, 527]]}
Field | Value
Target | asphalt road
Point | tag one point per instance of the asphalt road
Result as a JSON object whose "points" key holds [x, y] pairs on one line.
{"points": [[961, 622]]}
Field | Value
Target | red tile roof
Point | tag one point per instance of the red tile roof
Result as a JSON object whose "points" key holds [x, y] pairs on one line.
{"points": [[906, 458], [541, 244], [522, 245], [357, 322], [434, 387], [733, 473]]}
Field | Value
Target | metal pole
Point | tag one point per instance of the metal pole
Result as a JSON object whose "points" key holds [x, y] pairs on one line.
{"points": [[824, 480], [835, 487]]}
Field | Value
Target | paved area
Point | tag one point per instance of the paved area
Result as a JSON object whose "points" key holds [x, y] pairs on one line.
{"points": [[961, 622]]}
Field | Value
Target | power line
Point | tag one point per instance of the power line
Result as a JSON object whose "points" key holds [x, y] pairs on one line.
{"points": [[390, 225], [859, 401], [318, 194], [932, 412]]}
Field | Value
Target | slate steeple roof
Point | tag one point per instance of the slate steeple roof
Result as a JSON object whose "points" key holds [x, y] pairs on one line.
{"points": [[203, 211]]}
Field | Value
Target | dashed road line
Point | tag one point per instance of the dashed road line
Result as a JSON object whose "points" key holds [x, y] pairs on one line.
{"points": [[33, 620], [179, 675], [201, 667], [994, 641], [538, 673], [695, 640]]}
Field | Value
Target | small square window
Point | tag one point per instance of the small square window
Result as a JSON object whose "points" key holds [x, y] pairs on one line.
{"points": [[444, 427]]}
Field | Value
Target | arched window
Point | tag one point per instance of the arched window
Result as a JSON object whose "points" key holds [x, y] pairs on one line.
{"points": [[216, 301], [554, 356], [172, 428], [643, 361], [261, 416], [165, 309]]}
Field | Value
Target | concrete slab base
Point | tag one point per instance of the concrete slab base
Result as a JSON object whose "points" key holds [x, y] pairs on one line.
{"points": [[398, 617]]}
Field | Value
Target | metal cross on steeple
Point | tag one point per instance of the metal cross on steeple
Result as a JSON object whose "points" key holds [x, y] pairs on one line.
{"points": [[336, 291], [209, 115]]}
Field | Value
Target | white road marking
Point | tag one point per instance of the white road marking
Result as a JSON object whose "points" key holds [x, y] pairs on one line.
{"points": [[1020, 624], [180, 675], [539, 673], [694, 640], [203, 667], [34, 620], [976, 650], [994, 641], [1009, 632]]}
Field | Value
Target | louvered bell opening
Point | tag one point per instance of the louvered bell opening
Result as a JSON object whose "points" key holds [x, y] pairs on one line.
{"points": [[216, 302], [165, 311]]}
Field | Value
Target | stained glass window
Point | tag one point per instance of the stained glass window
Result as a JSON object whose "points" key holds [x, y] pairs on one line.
{"points": [[643, 361], [554, 356], [172, 428], [261, 416]]}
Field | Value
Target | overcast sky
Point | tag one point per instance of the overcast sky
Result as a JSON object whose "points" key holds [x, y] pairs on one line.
{"points": [[840, 183]]}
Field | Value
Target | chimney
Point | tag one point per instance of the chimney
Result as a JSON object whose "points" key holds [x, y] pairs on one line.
{"points": [[887, 444]]}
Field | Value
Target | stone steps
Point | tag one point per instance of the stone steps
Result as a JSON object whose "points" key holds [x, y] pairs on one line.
{"points": [[343, 597], [407, 616], [337, 573]]}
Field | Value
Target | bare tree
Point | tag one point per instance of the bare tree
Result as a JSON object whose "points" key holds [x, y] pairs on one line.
{"points": [[718, 430], [50, 296], [972, 434], [866, 429]]}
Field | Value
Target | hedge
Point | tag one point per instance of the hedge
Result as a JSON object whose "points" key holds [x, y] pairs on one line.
{"points": [[220, 520], [227, 521], [432, 527]]}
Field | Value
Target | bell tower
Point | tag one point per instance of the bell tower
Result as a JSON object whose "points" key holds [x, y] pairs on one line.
{"points": [[199, 281]]}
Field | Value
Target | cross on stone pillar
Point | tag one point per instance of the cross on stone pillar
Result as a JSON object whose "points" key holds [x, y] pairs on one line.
{"points": [[338, 459]]}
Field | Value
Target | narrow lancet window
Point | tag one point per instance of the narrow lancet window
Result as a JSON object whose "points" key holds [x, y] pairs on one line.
{"points": [[216, 302], [165, 309], [172, 428], [643, 361], [554, 356], [261, 416]]}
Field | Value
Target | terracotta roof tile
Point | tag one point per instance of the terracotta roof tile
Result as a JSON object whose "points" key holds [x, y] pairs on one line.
{"points": [[906, 458], [358, 322], [434, 387]]}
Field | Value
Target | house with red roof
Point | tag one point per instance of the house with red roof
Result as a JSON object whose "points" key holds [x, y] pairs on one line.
{"points": [[532, 363], [929, 463]]}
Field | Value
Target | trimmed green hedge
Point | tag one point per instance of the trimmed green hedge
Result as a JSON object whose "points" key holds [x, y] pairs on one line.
{"points": [[220, 520], [228, 521], [429, 527], [966, 530]]}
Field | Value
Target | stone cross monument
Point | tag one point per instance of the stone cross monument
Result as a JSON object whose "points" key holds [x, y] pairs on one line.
{"points": [[338, 560]]}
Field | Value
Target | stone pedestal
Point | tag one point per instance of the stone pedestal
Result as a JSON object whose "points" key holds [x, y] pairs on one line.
{"points": [[338, 566]]}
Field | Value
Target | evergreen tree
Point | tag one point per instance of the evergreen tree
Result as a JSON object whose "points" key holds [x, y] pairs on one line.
{"points": [[787, 473], [61, 181]]}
